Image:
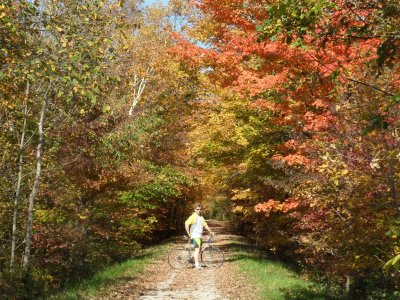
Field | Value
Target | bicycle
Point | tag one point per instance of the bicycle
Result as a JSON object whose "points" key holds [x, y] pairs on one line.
{"points": [[210, 256]]}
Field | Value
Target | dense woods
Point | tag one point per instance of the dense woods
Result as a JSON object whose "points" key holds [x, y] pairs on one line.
{"points": [[281, 116], [93, 151]]}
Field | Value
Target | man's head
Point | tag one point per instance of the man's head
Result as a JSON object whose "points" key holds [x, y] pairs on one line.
{"points": [[197, 208]]}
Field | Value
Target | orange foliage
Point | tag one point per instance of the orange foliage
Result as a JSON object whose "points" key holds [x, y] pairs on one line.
{"points": [[276, 206]]}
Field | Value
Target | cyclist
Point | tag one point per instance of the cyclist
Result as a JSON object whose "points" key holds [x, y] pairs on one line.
{"points": [[196, 223]]}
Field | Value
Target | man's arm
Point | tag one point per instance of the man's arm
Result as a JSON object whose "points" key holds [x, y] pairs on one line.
{"points": [[188, 222], [187, 228], [208, 228]]}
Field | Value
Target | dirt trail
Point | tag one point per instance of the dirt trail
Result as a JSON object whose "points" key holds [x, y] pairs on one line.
{"points": [[160, 281]]}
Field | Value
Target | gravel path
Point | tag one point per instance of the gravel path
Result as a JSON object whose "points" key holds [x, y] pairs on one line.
{"points": [[160, 281]]}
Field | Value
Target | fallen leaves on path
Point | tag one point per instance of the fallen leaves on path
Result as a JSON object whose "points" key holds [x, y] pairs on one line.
{"points": [[160, 281]]}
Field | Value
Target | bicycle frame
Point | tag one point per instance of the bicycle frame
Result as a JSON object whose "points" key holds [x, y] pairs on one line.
{"points": [[184, 259], [190, 246]]}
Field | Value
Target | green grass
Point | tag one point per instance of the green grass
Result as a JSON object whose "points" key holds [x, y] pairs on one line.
{"points": [[276, 280], [113, 275]]}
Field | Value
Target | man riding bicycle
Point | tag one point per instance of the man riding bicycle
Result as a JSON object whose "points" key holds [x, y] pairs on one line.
{"points": [[196, 223]]}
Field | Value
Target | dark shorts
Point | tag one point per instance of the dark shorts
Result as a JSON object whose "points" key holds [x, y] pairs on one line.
{"points": [[197, 242]]}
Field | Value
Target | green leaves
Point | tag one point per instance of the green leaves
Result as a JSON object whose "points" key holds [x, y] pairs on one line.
{"points": [[291, 20], [392, 264], [319, 22], [166, 184], [375, 122]]}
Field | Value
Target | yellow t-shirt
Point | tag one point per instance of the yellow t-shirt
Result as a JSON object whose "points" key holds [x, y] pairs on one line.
{"points": [[196, 223]]}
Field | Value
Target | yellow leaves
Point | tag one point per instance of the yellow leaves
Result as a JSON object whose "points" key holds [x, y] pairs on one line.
{"points": [[255, 62], [65, 43], [322, 168], [242, 141], [305, 240], [241, 194], [2, 15], [152, 220], [125, 46], [115, 5], [396, 260], [334, 167], [106, 108], [242, 133], [204, 29], [238, 209], [242, 168]]}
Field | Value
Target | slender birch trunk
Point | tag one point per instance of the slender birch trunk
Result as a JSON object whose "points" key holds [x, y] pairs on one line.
{"points": [[35, 187], [18, 188], [138, 89]]}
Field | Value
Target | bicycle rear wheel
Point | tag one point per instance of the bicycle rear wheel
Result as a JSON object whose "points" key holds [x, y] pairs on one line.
{"points": [[212, 257], [178, 258]]}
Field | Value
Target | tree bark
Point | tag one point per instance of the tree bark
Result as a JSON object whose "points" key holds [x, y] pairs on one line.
{"points": [[18, 187], [138, 89], [35, 187]]}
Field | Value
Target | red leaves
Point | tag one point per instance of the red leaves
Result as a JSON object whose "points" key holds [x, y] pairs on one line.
{"points": [[267, 207], [318, 122], [293, 159], [273, 206]]}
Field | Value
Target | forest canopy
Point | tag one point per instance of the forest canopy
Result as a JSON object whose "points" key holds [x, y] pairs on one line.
{"points": [[281, 116]]}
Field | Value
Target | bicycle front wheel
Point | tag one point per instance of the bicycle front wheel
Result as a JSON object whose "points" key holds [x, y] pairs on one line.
{"points": [[212, 257], [179, 258]]}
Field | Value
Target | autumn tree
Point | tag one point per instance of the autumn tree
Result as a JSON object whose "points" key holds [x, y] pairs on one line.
{"points": [[113, 174], [310, 68]]}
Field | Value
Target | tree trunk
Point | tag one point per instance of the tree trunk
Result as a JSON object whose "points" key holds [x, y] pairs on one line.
{"points": [[348, 284], [18, 187], [35, 187], [172, 217], [138, 89]]}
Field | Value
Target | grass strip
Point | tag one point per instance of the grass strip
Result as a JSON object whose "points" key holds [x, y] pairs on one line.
{"points": [[113, 275], [275, 280]]}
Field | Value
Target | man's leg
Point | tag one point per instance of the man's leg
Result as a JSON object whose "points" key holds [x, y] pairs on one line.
{"points": [[196, 256], [197, 247]]}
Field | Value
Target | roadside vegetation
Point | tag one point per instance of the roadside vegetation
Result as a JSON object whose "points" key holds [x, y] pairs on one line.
{"points": [[113, 275], [275, 279]]}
